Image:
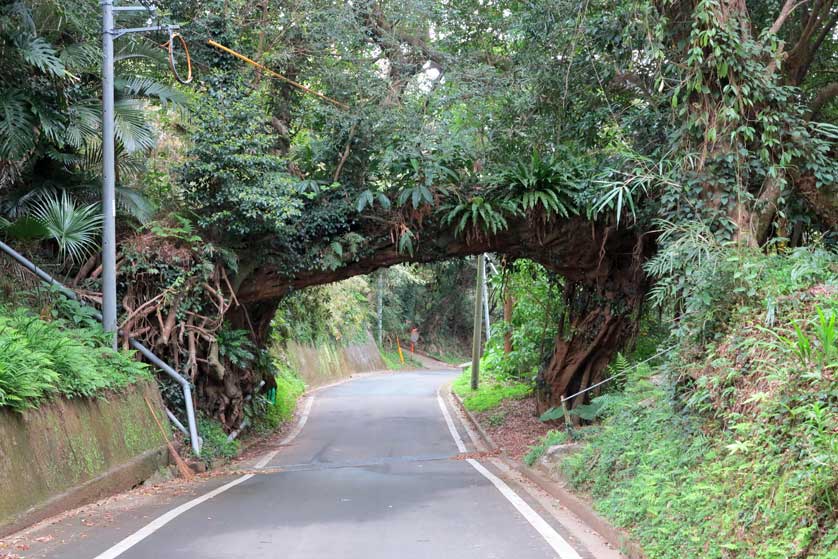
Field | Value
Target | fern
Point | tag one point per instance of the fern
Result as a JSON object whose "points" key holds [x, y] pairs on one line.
{"points": [[40, 358], [479, 215], [620, 365], [542, 183], [236, 347]]}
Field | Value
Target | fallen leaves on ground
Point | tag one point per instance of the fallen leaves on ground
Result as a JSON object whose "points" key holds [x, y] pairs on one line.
{"points": [[513, 426]]}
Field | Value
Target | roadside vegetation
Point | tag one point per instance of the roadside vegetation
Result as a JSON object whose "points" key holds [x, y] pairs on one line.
{"points": [[46, 356], [490, 393], [730, 448], [393, 362], [655, 183], [724, 443]]}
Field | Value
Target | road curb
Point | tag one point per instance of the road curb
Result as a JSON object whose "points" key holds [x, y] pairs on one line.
{"points": [[556, 489]]}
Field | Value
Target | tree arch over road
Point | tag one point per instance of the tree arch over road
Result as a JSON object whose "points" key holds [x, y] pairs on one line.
{"points": [[626, 136], [601, 265]]}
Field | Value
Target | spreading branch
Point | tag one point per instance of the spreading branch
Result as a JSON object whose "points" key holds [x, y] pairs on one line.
{"points": [[826, 94]]}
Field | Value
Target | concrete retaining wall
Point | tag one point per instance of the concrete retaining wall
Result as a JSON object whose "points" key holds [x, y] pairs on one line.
{"points": [[71, 452], [324, 364]]}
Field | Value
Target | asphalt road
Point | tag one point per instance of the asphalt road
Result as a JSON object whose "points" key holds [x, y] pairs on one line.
{"points": [[376, 472]]}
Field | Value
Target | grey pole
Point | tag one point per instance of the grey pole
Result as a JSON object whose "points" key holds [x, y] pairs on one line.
{"points": [[485, 288], [108, 177], [380, 307], [478, 310]]}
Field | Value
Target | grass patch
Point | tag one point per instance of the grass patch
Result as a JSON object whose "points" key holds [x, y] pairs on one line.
{"points": [[490, 393], [279, 406], [393, 363], [289, 388], [216, 446], [451, 357]]}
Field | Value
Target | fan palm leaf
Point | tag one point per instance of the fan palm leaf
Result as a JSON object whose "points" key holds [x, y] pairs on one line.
{"points": [[74, 228]]}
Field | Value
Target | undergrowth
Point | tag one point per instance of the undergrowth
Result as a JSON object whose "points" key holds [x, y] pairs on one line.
{"points": [[552, 438], [490, 393], [280, 408], [393, 363], [41, 358], [215, 444], [730, 450]]}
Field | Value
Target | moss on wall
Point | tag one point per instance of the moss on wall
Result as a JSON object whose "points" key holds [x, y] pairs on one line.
{"points": [[56, 447], [326, 363]]}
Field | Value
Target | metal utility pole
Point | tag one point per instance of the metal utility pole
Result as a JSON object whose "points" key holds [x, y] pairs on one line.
{"points": [[109, 33], [485, 287], [478, 322], [108, 178], [380, 308]]}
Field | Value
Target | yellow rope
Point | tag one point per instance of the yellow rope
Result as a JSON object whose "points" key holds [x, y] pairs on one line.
{"points": [[276, 74]]}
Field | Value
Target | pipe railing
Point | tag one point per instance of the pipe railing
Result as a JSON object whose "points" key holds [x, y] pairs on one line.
{"points": [[194, 439]]}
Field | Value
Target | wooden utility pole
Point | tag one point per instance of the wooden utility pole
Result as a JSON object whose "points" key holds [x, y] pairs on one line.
{"points": [[508, 306], [478, 323]]}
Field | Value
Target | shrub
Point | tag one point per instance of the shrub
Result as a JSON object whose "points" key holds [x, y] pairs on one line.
{"points": [[215, 441]]}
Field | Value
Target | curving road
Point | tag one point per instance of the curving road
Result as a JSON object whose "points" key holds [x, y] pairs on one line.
{"points": [[375, 473]]}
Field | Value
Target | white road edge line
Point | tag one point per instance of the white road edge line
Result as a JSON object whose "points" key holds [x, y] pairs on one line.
{"points": [[291, 436], [161, 521], [450, 422], [164, 519], [553, 538]]}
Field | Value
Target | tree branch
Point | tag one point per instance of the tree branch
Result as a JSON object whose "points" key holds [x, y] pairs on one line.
{"points": [[822, 98], [345, 153], [788, 8]]}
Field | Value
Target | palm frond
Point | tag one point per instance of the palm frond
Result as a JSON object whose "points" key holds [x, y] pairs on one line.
{"points": [[17, 133], [135, 203], [149, 88], [83, 123], [74, 228], [142, 50], [80, 56], [132, 128]]}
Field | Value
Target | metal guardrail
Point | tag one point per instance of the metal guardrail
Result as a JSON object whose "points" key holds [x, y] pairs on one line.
{"points": [[194, 439]]}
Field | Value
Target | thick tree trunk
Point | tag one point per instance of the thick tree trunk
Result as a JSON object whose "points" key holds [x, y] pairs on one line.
{"points": [[579, 359], [602, 262]]}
